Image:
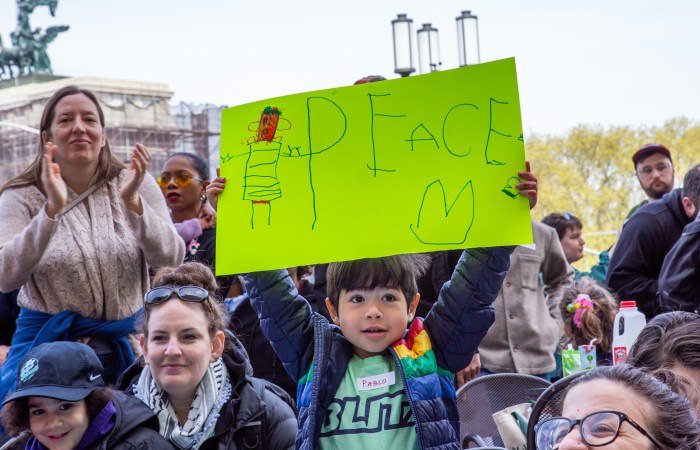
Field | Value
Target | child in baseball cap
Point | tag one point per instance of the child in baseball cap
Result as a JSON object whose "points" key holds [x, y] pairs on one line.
{"points": [[61, 403]]}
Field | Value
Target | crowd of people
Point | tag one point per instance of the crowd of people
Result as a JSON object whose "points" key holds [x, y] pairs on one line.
{"points": [[116, 333]]}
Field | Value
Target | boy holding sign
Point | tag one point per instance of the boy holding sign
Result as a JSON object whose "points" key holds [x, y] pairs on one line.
{"points": [[367, 382]]}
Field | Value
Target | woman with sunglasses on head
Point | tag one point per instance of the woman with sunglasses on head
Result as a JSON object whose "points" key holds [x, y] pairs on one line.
{"points": [[79, 231], [195, 375], [183, 181], [619, 408]]}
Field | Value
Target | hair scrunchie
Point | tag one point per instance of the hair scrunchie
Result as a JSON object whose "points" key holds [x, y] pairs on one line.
{"points": [[577, 307]]}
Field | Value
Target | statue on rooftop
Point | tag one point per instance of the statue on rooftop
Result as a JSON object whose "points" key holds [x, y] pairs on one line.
{"points": [[28, 53]]}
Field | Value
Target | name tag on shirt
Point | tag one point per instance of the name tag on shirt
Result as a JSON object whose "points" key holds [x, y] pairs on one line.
{"points": [[375, 381]]}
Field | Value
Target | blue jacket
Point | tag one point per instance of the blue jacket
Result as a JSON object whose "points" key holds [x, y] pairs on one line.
{"points": [[316, 354]]}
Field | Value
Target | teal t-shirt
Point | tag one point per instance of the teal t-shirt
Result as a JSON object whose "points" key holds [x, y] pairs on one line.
{"points": [[370, 409]]}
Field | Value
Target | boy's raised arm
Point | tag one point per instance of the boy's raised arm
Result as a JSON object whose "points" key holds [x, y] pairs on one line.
{"points": [[285, 318], [463, 312]]}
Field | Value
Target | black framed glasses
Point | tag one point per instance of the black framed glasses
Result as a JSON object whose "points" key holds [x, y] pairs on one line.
{"points": [[181, 179], [193, 294], [597, 429]]}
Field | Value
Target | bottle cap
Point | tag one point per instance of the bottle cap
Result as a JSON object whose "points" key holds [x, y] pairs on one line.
{"points": [[628, 304]]}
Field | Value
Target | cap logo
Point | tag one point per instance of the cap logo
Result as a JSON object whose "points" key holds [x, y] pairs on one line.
{"points": [[28, 370], [94, 376]]}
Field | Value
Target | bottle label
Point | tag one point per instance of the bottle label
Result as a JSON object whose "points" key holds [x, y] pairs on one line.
{"points": [[619, 355]]}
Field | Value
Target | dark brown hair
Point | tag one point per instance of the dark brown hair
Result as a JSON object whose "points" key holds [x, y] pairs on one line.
{"points": [[191, 274], [15, 415], [691, 185], [596, 322], [108, 166], [398, 272], [671, 421], [562, 222], [668, 340]]}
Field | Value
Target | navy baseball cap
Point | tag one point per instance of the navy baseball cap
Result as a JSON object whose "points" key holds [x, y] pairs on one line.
{"points": [[62, 370]]}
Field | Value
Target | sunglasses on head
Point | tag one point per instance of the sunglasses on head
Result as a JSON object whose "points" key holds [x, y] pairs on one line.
{"points": [[181, 179], [192, 294]]}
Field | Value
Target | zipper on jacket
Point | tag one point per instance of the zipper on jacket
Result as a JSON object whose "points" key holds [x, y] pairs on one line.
{"points": [[408, 394]]}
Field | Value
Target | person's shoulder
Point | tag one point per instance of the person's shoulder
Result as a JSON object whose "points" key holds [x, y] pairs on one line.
{"points": [[25, 194], [666, 204], [17, 443], [544, 231], [692, 229], [136, 425]]}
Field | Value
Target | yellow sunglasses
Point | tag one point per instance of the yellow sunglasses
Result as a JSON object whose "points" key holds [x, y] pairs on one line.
{"points": [[181, 179]]}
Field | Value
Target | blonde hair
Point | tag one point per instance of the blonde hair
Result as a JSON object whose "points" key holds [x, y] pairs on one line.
{"points": [[596, 322]]}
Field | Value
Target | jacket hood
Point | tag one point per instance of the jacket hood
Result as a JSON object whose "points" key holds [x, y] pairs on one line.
{"points": [[132, 413], [674, 202]]}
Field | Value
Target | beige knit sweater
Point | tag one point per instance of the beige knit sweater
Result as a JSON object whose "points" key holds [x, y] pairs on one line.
{"points": [[92, 260]]}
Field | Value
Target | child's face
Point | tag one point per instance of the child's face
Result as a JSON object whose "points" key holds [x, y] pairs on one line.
{"points": [[58, 424], [372, 319]]}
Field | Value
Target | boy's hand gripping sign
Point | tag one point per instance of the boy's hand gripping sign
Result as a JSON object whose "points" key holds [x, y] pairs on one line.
{"points": [[416, 164]]}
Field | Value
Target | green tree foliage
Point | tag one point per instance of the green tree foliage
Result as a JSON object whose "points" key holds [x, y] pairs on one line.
{"points": [[589, 172]]}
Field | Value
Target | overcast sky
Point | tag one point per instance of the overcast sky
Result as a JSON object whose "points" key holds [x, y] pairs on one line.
{"points": [[608, 62]]}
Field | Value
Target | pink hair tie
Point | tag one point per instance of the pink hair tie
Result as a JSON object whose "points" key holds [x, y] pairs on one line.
{"points": [[577, 307]]}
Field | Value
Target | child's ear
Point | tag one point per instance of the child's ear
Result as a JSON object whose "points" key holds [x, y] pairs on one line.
{"points": [[332, 311], [412, 307]]}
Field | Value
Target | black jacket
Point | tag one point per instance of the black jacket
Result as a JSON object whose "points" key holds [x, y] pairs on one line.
{"points": [[645, 240], [136, 428], [679, 281], [258, 414], [206, 254], [9, 311]]}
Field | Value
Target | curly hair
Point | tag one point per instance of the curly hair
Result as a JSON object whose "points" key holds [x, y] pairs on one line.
{"points": [[15, 415], [596, 322], [671, 419], [191, 274]]}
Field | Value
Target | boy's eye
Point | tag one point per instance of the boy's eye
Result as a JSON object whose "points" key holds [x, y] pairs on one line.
{"points": [[190, 337], [389, 298], [66, 406], [356, 299]]}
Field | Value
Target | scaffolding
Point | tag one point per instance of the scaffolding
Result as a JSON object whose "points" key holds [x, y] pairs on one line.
{"points": [[131, 116]]}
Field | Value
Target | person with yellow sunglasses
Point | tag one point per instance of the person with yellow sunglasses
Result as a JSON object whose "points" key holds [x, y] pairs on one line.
{"points": [[183, 181]]}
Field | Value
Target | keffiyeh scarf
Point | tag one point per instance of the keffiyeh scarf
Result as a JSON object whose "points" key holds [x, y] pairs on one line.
{"points": [[212, 393]]}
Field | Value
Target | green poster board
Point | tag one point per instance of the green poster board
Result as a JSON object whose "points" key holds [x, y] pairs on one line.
{"points": [[410, 165]]}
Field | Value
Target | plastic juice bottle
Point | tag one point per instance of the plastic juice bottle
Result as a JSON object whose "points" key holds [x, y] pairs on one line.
{"points": [[629, 322]]}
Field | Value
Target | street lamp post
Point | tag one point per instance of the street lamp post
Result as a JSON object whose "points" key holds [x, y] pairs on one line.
{"points": [[468, 39], [428, 49], [402, 28]]}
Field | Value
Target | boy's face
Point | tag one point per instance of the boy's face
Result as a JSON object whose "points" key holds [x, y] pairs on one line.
{"points": [[58, 424], [372, 319]]}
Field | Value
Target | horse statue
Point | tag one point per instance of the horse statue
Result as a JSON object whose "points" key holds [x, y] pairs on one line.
{"points": [[12, 57]]}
